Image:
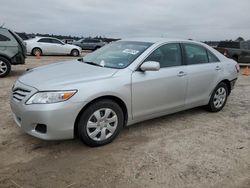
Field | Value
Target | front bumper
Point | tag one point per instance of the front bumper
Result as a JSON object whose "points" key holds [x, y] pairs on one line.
{"points": [[59, 118]]}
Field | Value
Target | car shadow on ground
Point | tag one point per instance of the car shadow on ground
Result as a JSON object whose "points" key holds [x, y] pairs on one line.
{"points": [[16, 73], [126, 136]]}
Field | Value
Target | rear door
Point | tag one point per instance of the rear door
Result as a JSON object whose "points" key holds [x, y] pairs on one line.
{"points": [[160, 91], [46, 45], [203, 69]]}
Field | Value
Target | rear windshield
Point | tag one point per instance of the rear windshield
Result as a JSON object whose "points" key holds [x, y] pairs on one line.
{"points": [[229, 45]]}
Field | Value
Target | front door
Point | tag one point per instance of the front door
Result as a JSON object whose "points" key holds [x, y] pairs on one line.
{"points": [[160, 91]]}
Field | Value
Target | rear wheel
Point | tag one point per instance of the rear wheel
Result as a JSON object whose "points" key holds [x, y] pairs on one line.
{"points": [[218, 98], [5, 67], [100, 123], [37, 52]]}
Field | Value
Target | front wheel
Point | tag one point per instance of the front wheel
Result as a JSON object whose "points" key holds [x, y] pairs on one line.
{"points": [[75, 53], [100, 123], [5, 67], [218, 98]]}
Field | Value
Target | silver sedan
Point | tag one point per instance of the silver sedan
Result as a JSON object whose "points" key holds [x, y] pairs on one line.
{"points": [[118, 85]]}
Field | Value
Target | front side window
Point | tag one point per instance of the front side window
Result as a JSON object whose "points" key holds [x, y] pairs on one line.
{"points": [[195, 54], [45, 40], [117, 54], [168, 55], [3, 38], [211, 57]]}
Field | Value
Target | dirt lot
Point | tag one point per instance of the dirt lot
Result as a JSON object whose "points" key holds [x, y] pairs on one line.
{"points": [[188, 149]]}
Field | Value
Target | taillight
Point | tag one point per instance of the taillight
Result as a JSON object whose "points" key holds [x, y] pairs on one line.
{"points": [[225, 52], [237, 67]]}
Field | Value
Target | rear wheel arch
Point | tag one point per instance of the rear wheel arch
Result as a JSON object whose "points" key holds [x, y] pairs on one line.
{"points": [[6, 57], [227, 82], [117, 100]]}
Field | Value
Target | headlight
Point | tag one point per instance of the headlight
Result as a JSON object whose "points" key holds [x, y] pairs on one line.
{"points": [[50, 97]]}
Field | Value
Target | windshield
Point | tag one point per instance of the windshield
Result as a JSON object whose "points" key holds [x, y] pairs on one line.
{"points": [[117, 54]]}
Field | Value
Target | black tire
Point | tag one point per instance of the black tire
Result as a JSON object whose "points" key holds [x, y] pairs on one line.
{"points": [[75, 52], [88, 113], [211, 105], [5, 67], [235, 58], [37, 51]]}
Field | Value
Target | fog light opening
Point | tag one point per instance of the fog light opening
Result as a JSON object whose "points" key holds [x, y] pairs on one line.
{"points": [[41, 128]]}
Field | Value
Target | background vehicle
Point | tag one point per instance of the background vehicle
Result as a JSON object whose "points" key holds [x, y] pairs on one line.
{"points": [[89, 43], [12, 51], [239, 51], [68, 41], [50, 46], [120, 84]]}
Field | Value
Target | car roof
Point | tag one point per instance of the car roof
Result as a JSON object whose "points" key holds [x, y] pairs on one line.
{"points": [[158, 40], [38, 37]]}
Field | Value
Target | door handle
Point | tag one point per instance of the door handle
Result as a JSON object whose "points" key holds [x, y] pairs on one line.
{"points": [[217, 68], [181, 74]]}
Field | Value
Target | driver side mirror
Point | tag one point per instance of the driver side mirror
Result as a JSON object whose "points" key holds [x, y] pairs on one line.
{"points": [[150, 66]]}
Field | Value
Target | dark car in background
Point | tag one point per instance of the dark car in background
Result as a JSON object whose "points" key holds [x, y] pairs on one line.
{"points": [[12, 51], [68, 41], [237, 50], [89, 43]]}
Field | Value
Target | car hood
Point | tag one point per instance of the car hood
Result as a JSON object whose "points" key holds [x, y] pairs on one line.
{"points": [[64, 75]]}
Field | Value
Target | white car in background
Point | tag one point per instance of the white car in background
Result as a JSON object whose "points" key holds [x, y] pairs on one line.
{"points": [[50, 46]]}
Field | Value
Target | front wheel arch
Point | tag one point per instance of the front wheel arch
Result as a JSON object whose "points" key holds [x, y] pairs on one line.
{"points": [[119, 101]]}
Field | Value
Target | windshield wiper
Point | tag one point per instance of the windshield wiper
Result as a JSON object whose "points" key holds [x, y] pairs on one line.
{"points": [[89, 62]]}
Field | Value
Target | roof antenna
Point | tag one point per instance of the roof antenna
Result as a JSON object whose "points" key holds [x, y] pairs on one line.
{"points": [[2, 25]]}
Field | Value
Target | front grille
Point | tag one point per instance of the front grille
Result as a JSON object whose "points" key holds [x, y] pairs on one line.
{"points": [[19, 94]]}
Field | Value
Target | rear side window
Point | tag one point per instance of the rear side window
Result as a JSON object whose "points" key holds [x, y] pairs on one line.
{"points": [[3, 38], [168, 55], [211, 57], [195, 54], [46, 40]]}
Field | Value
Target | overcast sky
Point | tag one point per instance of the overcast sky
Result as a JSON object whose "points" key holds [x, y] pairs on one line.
{"points": [[197, 19]]}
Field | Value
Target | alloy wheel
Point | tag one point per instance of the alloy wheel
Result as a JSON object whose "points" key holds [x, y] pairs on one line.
{"points": [[3, 67], [220, 97]]}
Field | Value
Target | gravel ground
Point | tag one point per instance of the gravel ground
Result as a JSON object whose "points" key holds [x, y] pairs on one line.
{"points": [[192, 149]]}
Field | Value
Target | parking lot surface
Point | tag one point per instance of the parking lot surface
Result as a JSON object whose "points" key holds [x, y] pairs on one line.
{"points": [[193, 148]]}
